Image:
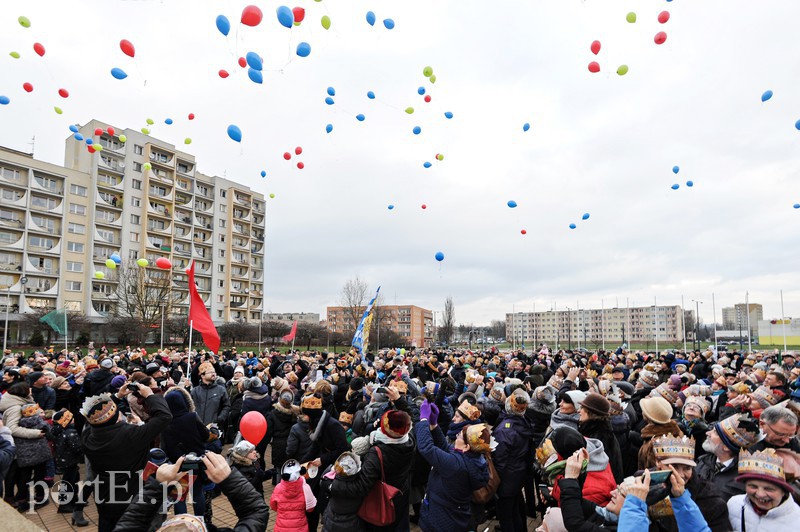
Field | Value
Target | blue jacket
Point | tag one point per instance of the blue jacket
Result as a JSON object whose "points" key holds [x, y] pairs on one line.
{"points": [[455, 475], [633, 517], [45, 397], [512, 457]]}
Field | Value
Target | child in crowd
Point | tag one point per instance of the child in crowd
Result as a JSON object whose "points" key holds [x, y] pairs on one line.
{"points": [[292, 498], [32, 457], [69, 455], [244, 457]]}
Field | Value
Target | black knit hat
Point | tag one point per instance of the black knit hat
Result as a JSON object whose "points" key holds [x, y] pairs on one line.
{"points": [[566, 441], [357, 384]]}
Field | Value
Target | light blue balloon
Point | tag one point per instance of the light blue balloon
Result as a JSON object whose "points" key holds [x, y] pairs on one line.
{"points": [[168, 121], [417, 130], [4, 100], [73, 128], [690, 183], [426, 164], [223, 25], [328, 128], [78, 137], [89, 142], [421, 91], [391, 207], [572, 226], [585, 216], [766, 96], [370, 18], [235, 133], [118, 73], [331, 91], [526, 126], [285, 16], [512, 203], [116, 258], [254, 61], [360, 117], [371, 95], [676, 186], [439, 256], [675, 169], [448, 115], [388, 24], [255, 75], [263, 173], [329, 100], [303, 49]]}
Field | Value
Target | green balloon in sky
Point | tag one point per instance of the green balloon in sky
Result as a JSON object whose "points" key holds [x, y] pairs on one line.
{"points": [[15, 55], [326, 22], [427, 71], [631, 17], [24, 22], [622, 70]]}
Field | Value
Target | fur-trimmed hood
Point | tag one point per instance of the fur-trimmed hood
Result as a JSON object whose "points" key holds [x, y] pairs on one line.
{"points": [[179, 401]]}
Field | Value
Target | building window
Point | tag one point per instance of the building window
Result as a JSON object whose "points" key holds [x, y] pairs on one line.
{"points": [[222, 238], [136, 184], [222, 253], [135, 219], [78, 190], [39, 242], [136, 202], [75, 247], [223, 193], [133, 254], [77, 229], [134, 237], [223, 208], [220, 298], [43, 203], [182, 168], [221, 268], [47, 182], [222, 223], [138, 150], [74, 267], [108, 236], [9, 173], [219, 313], [137, 167], [74, 208]]}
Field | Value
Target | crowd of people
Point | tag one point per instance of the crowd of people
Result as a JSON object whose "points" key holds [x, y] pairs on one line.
{"points": [[444, 439]]}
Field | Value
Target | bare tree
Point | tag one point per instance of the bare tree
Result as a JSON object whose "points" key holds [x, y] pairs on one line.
{"points": [[274, 330], [354, 301], [143, 293], [497, 329], [234, 331], [448, 320]]}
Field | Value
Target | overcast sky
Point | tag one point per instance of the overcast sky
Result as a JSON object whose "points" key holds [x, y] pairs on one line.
{"points": [[601, 144]]}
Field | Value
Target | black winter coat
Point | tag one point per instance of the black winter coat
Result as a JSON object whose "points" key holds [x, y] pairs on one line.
{"points": [[69, 451], [281, 421], [724, 481], [578, 513], [299, 444], [185, 433], [512, 457], [331, 443], [539, 413], [601, 430], [341, 512], [44, 396], [711, 505], [97, 382]]}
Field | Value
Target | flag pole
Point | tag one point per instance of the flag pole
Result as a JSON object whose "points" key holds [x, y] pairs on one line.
{"points": [[714, 310], [783, 324], [683, 324], [749, 332], [189, 366], [66, 330]]}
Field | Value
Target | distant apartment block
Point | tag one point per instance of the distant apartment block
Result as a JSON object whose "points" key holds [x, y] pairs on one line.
{"points": [[287, 318], [408, 321]]}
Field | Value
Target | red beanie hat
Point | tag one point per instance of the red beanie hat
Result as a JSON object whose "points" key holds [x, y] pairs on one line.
{"points": [[395, 423]]}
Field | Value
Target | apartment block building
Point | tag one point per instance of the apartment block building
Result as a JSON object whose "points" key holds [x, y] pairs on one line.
{"points": [[590, 327], [141, 198], [411, 322], [287, 318], [735, 317]]}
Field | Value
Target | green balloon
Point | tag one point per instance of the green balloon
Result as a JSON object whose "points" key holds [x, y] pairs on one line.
{"points": [[147, 166], [141, 262], [99, 275], [440, 157], [58, 110], [432, 78], [145, 131], [410, 110], [622, 70], [110, 264], [631, 17], [187, 140], [150, 122], [326, 22], [123, 138], [427, 71], [24, 22], [15, 55], [272, 195]]}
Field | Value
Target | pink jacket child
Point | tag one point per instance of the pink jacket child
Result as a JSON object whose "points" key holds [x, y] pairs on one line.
{"points": [[291, 499]]}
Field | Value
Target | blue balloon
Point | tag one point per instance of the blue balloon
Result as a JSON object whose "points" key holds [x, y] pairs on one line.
{"points": [[328, 128], [512, 203], [526, 126], [448, 115], [78, 137], [255, 75], [690, 183], [572, 226], [391, 207], [766, 96], [116, 258], [585, 216], [89, 142], [4, 100], [371, 95], [426, 164], [168, 121], [118, 73], [235, 133], [421, 91], [370, 18], [303, 49], [73, 128], [263, 173], [360, 117], [285, 16], [797, 125], [676, 186], [389, 24], [254, 61], [331, 91], [796, 205], [223, 25], [675, 169], [439, 256], [329, 100], [417, 130]]}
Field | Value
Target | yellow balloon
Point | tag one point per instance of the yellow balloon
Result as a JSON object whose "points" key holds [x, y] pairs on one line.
{"points": [[631, 17], [147, 166], [272, 195], [326, 22], [99, 275], [123, 138], [187, 140], [97, 147]]}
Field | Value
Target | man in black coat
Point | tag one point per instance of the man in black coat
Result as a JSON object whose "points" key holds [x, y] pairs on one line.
{"points": [[98, 381], [117, 450]]}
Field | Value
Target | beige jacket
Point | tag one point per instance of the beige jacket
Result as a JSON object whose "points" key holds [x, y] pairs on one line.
{"points": [[11, 407]]}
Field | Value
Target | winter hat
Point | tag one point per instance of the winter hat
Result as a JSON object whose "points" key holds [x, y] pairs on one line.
{"points": [[575, 397], [517, 402], [100, 410], [544, 394], [241, 450], [107, 363], [738, 431], [30, 410], [699, 402], [656, 409], [648, 378], [596, 404], [286, 398], [395, 423], [238, 370], [357, 384], [57, 382], [764, 465], [153, 367], [764, 396], [280, 384], [292, 470], [347, 465], [497, 394], [89, 363], [63, 417], [360, 445], [252, 384], [34, 376], [663, 390], [116, 382], [566, 441], [675, 382]]}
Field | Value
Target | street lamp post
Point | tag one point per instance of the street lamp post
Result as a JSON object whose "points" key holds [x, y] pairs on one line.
{"points": [[23, 281], [162, 327]]}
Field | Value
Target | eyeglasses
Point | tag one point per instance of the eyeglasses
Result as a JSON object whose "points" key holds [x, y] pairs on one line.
{"points": [[779, 434]]}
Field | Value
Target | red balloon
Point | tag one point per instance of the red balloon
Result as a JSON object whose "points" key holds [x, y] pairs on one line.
{"points": [[39, 49], [251, 16], [28, 87], [299, 14], [595, 47], [91, 149], [660, 37], [427, 98], [98, 131], [127, 47], [163, 263], [524, 232], [424, 206], [111, 130], [287, 155], [64, 93], [191, 116], [223, 74], [298, 150], [594, 67], [663, 17], [253, 427], [242, 62], [300, 165]]}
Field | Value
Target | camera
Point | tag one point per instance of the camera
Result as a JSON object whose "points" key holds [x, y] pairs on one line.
{"points": [[134, 386], [193, 462]]}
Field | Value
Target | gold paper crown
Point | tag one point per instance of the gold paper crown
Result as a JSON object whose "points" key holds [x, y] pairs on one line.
{"points": [[468, 411], [764, 396], [649, 378], [311, 402], [99, 409], [31, 409], [666, 392], [699, 402], [345, 418], [669, 446], [400, 386], [479, 438], [767, 463]]}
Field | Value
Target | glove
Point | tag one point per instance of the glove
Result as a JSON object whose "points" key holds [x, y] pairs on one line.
{"points": [[425, 411], [434, 415]]}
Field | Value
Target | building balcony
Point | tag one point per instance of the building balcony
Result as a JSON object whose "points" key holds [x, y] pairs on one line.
{"points": [[15, 223], [106, 162], [204, 206], [241, 200], [183, 198], [105, 199], [13, 179], [164, 159], [47, 186], [159, 210], [108, 218]]}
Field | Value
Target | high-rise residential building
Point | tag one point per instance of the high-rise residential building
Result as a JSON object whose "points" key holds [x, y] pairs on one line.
{"points": [[138, 199], [287, 318], [735, 317], [590, 327], [411, 322]]}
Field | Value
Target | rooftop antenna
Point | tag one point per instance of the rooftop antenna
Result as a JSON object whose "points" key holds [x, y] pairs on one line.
{"points": [[32, 143]]}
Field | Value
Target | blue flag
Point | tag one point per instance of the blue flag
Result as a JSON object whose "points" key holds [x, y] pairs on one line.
{"points": [[362, 331]]}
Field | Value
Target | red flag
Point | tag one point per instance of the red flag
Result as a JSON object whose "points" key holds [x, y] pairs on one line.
{"points": [[289, 337], [199, 318]]}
